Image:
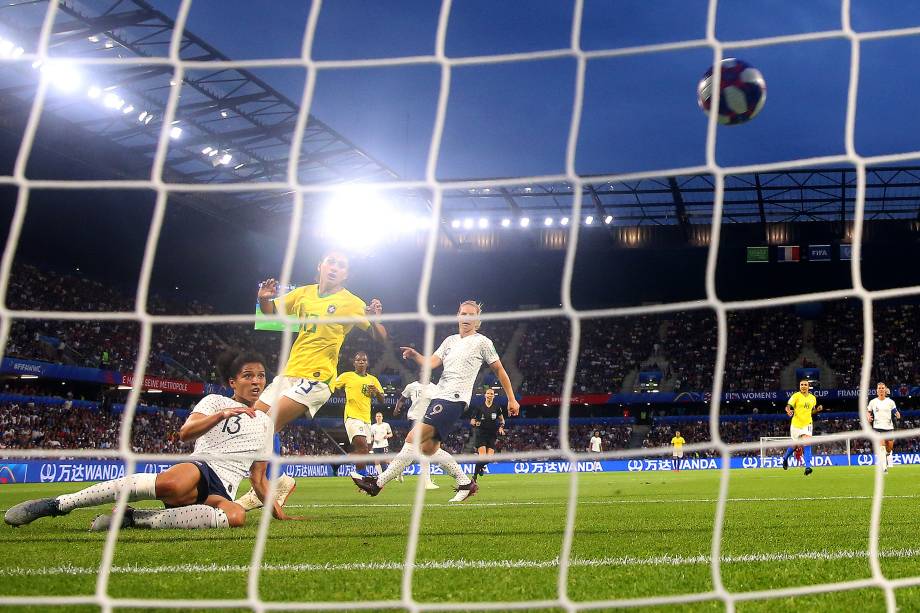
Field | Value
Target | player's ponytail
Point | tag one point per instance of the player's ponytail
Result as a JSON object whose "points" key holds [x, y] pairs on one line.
{"points": [[231, 361]]}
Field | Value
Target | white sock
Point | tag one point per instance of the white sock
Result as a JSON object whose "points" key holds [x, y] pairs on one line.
{"points": [[405, 457], [190, 518], [450, 466], [890, 459], [141, 486], [426, 469]]}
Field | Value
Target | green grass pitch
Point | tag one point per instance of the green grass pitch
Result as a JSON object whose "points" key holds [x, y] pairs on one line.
{"points": [[636, 535]]}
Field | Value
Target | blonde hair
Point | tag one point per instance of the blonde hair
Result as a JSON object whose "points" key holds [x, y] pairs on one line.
{"points": [[472, 303]]}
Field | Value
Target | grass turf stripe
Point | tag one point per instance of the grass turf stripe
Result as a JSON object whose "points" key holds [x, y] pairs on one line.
{"points": [[462, 564]]}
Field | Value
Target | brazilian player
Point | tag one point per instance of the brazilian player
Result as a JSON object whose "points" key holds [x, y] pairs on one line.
{"points": [[305, 385], [801, 407], [360, 386]]}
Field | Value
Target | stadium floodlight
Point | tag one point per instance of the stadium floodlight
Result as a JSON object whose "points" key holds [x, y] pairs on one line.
{"points": [[359, 216], [589, 220], [506, 222], [212, 153], [224, 113], [468, 223], [240, 165], [608, 219], [63, 76], [112, 101], [455, 224], [109, 43], [564, 221], [175, 132], [483, 223], [93, 39], [225, 159], [142, 116], [548, 221], [207, 150], [525, 221], [94, 92], [128, 109], [148, 118]]}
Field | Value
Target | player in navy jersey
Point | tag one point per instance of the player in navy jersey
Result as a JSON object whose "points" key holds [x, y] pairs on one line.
{"points": [[228, 434], [488, 423]]}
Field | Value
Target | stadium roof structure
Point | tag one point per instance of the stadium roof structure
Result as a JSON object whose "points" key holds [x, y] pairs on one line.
{"points": [[790, 196], [231, 126]]}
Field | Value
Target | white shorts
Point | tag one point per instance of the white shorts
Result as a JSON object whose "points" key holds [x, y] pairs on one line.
{"points": [[678, 454], [418, 408], [356, 427], [311, 394], [797, 433]]}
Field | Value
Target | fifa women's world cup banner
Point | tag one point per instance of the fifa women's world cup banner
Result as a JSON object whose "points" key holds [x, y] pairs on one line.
{"points": [[78, 471]]}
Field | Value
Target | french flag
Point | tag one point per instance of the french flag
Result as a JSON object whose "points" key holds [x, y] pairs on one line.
{"points": [[787, 254]]}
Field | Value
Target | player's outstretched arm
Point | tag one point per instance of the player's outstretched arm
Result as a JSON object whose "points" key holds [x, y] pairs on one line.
{"points": [[410, 353], [513, 406], [377, 331], [789, 410], [199, 423], [266, 294]]}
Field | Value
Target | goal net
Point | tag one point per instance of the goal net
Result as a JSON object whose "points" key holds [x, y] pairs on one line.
{"points": [[557, 573]]}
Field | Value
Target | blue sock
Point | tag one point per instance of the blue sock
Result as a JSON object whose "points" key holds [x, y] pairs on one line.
{"points": [[808, 461], [789, 452]]}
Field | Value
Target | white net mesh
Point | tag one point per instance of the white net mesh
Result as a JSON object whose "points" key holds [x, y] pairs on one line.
{"points": [[405, 599]]}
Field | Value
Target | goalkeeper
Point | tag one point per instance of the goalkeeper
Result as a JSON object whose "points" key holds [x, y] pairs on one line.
{"points": [[801, 407]]}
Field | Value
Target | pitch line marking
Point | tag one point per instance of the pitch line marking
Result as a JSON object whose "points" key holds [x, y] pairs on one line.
{"points": [[464, 564], [538, 503]]}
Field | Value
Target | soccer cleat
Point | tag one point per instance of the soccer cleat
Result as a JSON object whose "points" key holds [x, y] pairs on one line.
{"points": [[366, 484], [808, 471], [431, 485], [102, 522], [286, 487], [464, 492], [250, 501], [30, 510], [785, 463]]}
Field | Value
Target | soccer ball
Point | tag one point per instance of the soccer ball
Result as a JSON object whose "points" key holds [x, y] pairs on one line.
{"points": [[744, 92]]}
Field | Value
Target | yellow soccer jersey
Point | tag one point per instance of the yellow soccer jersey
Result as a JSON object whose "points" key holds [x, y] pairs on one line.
{"points": [[315, 353], [678, 442], [802, 404], [358, 394]]}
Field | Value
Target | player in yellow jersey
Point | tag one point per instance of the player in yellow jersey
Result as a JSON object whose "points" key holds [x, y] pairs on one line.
{"points": [[801, 407], [305, 385], [360, 386], [677, 441]]}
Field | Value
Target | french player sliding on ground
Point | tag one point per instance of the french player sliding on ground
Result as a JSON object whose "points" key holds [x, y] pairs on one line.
{"points": [[800, 408], [227, 432], [882, 412], [461, 355]]}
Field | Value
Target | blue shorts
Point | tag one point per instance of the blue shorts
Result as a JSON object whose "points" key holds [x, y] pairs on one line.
{"points": [[444, 416], [209, 484]]}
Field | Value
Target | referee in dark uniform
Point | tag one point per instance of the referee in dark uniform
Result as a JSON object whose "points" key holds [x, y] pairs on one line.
{"points": [[488, 423]]}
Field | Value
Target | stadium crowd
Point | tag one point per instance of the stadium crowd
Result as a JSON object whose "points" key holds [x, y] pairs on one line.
{"points": [[761, 342]]}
